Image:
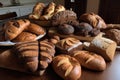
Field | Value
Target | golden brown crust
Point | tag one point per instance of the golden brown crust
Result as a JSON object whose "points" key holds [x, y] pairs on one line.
{"points": [[34, 55], [59, 8], [37, 11], [67, 67], [94, 20], [14, 28], [35, 29], [49, 11], [90, 60], [25, 36], [68, 43]]}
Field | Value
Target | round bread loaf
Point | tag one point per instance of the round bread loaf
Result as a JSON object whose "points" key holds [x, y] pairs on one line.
{"points": [[63, 17], [93, 19], [83, 29], [66, 67], [66, 29]]}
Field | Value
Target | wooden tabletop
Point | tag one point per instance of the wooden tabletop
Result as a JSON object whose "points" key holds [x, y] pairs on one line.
{"points": [[112, 72]]}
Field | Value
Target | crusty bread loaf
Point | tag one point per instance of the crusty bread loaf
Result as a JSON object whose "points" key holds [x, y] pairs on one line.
{"points": [[90, 60], [113, 34], [25, 36], [48, 12], [59, 8], [66, 67], [37, 11], [35, 56], [63, 17], [95, 20], [104, 47], [68, 45], [35, 29], [15, 27]]}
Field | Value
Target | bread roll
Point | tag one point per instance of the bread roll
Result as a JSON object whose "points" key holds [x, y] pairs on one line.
{"points": [[37, 11], [104, 47], [35, 29], [68, 45], [49, 11], [59, 8], [90, 60], [66, 67], [25, 36], [14, 28]]}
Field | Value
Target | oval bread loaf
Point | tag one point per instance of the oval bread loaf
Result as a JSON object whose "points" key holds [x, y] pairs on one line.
{"points": [[90, 60], [67, 67], [15, 27]]}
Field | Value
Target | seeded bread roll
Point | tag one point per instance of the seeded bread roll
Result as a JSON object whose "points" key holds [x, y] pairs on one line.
{"points": [[63, 17], [14, 28], [90, 60], [25, 36], [35, 56], [66, 67]]}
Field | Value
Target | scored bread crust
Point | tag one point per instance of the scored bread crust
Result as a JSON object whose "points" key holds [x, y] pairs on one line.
{"points": [[15, 27], [67, 67]]}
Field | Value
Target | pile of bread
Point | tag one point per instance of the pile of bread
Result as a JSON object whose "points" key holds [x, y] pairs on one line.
{"points": [[20, 31], [45, 12], [67, 55]]}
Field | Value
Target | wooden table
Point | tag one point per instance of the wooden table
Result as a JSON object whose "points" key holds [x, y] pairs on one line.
{"points": [[112, 72]]}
